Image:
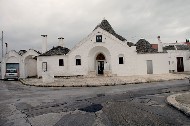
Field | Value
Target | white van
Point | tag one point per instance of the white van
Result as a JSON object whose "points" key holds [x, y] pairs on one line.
{"points": [[11, 74]]}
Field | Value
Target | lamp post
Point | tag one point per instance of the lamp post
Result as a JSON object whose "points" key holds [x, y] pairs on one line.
{"points": [[6, 45]]}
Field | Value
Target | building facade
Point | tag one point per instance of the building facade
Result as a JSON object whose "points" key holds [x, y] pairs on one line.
{"points": [[102, 52], [178, 57]]}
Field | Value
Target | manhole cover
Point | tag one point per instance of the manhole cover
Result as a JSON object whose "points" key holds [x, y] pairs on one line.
{"points": [[92, 108]]}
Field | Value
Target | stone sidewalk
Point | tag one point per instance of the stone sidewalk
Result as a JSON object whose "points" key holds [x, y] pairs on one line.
{"points": [[180, 101], [103, 81]]}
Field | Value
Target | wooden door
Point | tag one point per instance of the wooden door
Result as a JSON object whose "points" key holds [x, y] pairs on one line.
{"points": [[100, 67], [149, 67], [180, 66]]}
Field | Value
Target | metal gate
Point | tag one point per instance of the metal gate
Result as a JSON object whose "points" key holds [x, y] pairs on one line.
{"points": [[149, 67]]}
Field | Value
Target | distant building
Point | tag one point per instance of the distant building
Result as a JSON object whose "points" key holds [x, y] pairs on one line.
{"points": [[154, 46]]}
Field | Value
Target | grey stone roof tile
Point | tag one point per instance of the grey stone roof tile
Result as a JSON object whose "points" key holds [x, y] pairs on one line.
{"points": [[182, 47], [169, 47], [59, 50]]}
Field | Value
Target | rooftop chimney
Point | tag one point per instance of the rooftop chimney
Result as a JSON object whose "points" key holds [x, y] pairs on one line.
{"points": [[44, 43], [61, 42], [160, 46]]}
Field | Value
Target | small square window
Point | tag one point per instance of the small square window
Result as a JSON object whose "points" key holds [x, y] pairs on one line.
{"points": [[120, 60], [78, 62], [61, 62], [98, 38]]}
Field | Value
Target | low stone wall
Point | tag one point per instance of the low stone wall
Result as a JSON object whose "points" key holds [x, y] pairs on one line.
{"points": [[102, 81]]}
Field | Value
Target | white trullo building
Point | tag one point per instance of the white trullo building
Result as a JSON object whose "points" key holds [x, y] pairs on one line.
{"points": [[102, 52], [24, 61], [178, 56]]}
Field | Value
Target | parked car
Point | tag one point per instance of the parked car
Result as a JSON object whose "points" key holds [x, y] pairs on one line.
{"points": [[11, 74]]}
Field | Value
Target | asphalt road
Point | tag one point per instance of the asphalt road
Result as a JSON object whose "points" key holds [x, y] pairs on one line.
{"points": [[133, 105]]}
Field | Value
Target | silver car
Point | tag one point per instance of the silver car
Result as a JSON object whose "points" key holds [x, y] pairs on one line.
{"points": [[11, 74]]}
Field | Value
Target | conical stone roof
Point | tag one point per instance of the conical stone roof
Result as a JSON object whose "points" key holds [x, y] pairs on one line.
{"points": [[143, 46], [107, 27]]}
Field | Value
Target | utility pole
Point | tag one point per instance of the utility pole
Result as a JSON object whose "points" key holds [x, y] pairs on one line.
{"points": [[2, 45]]}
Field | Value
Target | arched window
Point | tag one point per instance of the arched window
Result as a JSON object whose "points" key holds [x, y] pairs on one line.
{"points": [[100, 56], [121, 58], [78, 60]]}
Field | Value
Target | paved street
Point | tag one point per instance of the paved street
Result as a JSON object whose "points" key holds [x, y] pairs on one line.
{"points": [[137, 104]]}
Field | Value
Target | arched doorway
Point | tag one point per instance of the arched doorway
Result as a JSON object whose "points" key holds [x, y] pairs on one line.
{"points": [[100, 59], [99, 53], [30, 63], [30, 66]]}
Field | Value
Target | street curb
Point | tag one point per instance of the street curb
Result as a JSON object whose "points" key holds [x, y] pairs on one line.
{"points": [[93, 85], [23, 82], [179, 106]]}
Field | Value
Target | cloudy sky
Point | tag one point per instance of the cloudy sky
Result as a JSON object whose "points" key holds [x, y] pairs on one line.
{"points": [[23, 21]]}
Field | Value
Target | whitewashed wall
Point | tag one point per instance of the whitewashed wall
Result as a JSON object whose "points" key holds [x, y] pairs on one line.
{"points": [[172, 57], [28, 64], [14, 57], [11, 57], [110, 46], [31, 68], [53, 65], [159, 61], [0, 70]]}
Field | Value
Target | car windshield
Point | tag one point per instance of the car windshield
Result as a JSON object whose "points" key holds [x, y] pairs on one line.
{"points": [[11, 71]]}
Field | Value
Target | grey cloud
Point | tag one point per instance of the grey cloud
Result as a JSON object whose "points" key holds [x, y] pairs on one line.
{"points": [[23, 21]]}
